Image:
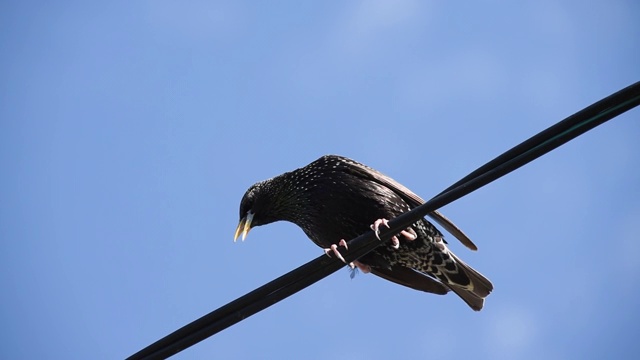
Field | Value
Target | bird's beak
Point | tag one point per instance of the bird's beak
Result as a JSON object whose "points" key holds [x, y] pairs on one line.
{"points": [[243, 227]]}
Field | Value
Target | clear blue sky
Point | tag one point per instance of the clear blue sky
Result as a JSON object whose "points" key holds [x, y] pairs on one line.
{"points": [[131, 129]]}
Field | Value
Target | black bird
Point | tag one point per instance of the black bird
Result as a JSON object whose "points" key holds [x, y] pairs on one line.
{"points": [[336, 198]]}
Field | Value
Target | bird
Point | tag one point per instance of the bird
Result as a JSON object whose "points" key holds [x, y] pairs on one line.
{"points": [[335, 198]]}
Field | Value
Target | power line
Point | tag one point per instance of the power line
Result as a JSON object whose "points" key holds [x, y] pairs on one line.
{"points": [[307, 274]]}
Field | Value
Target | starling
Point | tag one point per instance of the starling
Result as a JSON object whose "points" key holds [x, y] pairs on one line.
{"points": [[336, 198]]}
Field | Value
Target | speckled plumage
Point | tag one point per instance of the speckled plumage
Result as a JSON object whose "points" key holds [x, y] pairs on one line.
{"points": [[336, 198]]}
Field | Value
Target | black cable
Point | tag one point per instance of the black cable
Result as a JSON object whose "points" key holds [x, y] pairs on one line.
{"points": [[613, 105], [307, 274]]}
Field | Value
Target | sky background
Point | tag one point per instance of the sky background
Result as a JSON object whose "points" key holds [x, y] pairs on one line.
{"points": [[129, 131]]}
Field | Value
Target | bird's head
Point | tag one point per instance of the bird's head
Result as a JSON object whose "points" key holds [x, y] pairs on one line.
{"points": [[258, 207]]}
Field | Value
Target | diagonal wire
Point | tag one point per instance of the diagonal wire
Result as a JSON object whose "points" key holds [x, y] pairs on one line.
{"points": [[576, 124], [311, 272]]}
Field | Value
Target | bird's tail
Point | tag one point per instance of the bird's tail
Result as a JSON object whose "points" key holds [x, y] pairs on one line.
{"points": [[466, 282]]}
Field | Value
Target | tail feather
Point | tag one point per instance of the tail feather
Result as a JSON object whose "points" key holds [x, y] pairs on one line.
{"points": [[478, 288], [474, 301]]}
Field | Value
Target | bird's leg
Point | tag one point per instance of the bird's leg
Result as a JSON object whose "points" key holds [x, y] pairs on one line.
{"points": [[408, 233], [334, 249]]}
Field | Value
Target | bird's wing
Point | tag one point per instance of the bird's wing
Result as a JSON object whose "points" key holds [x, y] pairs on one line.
{"points": [[411, 198], [410, 278], [453, 229]]}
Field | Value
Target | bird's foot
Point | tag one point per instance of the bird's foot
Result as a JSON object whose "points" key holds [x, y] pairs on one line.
{"points": [[409, 233], [376, 229], [334, 249], [353, 265]]}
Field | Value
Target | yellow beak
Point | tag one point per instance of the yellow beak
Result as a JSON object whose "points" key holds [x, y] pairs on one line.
{"points": [[243, 227]]}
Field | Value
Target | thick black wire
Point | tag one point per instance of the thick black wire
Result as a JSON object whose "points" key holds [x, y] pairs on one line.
{"points": [[307, 274]]}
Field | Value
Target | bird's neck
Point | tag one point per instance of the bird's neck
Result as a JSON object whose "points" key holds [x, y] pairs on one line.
{"points": [[290, 200]]}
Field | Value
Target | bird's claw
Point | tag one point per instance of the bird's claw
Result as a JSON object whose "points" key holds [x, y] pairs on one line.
{"points": [[376, 224], [334, 249], [409, 233], [375, 227]]}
